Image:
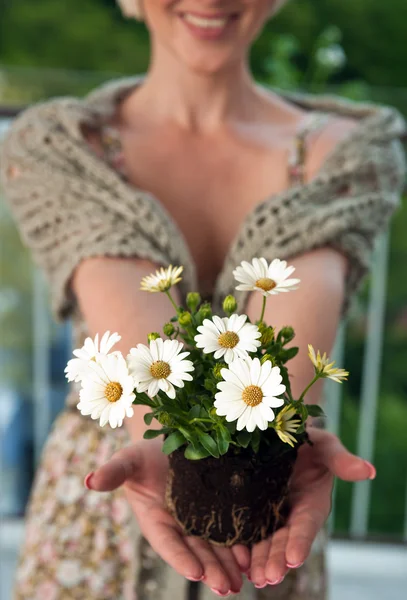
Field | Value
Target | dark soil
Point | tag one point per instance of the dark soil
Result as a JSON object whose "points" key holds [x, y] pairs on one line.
{"points": [[239, 498]]}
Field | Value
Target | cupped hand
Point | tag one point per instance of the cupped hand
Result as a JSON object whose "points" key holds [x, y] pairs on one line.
{"points": [[311, 491], [142, 470]]}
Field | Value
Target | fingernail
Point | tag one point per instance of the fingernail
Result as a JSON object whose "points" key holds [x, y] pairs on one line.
{"points": [[195, 579], [87, 481], [260, 587], [296, 566], [371, 468], [276, 581], [218, 593]]}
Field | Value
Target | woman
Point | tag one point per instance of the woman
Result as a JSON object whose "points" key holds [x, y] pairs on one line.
{"points": [[170, 169]]}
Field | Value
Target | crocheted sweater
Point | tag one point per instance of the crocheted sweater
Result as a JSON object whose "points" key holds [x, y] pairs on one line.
{"points": [[70, 204]]}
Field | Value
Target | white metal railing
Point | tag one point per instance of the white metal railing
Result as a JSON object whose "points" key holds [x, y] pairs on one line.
{"points": [[369, 391]]}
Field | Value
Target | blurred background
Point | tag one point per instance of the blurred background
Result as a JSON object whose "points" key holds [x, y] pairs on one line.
{"points": [[355, 49]]}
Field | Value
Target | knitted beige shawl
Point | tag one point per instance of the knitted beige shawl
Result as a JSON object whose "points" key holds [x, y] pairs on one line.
{"points": [[70, 204]]}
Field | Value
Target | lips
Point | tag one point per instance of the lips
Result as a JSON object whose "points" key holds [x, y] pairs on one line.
{"points": [[206, 22]]}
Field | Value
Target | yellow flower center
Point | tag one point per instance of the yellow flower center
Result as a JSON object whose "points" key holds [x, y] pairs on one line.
{"points": [[252, 395], [266, 284], [160, 369], [229, 339], [113, 391]]}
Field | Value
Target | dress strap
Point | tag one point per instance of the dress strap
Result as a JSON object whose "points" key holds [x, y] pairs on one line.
{"points": [[297, 161]]}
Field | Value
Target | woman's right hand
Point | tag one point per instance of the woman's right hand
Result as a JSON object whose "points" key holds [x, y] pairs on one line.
{"points": [[142, 470]]}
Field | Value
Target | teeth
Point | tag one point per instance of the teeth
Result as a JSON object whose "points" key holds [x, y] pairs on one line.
{"points": [[205, 23]]}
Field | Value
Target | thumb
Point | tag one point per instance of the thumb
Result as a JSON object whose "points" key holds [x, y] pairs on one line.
{"points": [[123, 466], [340, 461]]}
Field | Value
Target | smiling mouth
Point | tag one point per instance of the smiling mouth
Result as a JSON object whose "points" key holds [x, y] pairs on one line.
{"points": [[208, 23]]}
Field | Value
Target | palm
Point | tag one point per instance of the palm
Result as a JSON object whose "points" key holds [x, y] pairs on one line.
{"points": [[310, 498], [142, 469]]}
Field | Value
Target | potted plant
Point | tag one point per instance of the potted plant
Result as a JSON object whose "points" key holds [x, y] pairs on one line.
{"points": [[220, 388]]}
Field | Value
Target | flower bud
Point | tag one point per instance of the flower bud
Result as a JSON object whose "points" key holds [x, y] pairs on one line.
{"points": [[229, 305], [205, 312], [217, 371], [166, 419], [185, 319], [267, 336], [287, 333], [153, 336], [168, 329], [265, 358], [193, 301]]}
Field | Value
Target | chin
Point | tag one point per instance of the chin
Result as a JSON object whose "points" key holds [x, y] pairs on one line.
{"points": [[209, 62]]}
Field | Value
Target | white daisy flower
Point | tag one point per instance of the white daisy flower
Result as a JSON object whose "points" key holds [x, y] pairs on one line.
{"points": [[159, 367], [228, 337], [162, 280], [325, 368], [269, 279], [248, 393], [285, 425], [107, 391], [77, 368]]}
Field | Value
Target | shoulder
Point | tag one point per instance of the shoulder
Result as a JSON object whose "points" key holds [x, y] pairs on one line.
{"points": [[359, 136], [33, 126], [324, 141], [45, 139]]}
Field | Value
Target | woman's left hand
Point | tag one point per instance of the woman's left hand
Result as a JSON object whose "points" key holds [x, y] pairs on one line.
{"points": [[311, 490]]}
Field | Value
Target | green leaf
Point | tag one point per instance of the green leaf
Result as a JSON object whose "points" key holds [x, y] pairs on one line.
{"points": [[244, 438], [194, 413], [173, 442], [302, 410], [288, 353], [314, 410], [143, 400], [150, 434], [148, 418], [209, 444], [286, 381], [195, 453], [210, 385], [256, 439], [222, 440]]}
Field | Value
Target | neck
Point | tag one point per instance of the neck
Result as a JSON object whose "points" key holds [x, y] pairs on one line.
{"points": [[195, 101]]}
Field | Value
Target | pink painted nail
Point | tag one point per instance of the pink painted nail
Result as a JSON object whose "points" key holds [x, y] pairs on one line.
{"points": [[218, 593], [371, 468], [87, 481], [260, 587], [296, 566], [276, 581], [195, 579]]}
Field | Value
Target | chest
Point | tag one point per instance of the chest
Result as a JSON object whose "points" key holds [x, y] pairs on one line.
{"points": [[208, 187]]}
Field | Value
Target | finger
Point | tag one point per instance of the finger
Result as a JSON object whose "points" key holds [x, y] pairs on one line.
{"points": [[339, 460], [276, 565], [121, 467], [230, 566], [242, 556], [301, 534], [215, 576], [260, 552], [168, 542]]}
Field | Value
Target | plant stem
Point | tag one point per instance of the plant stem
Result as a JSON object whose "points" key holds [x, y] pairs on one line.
{"points": [[198, 420], [317, 376], [171, 299], [263, 308]]}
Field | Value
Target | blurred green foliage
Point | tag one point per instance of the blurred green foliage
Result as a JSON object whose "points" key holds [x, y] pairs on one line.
{"points": [[356, 49]]}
